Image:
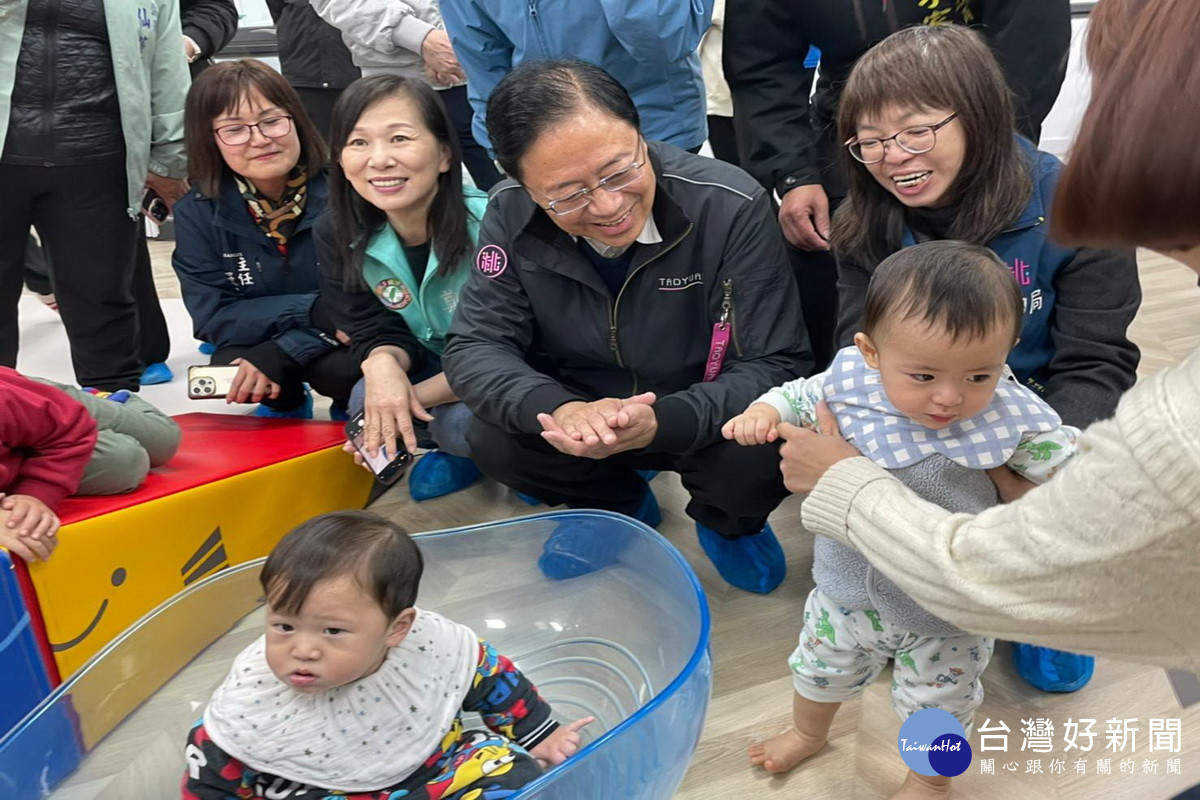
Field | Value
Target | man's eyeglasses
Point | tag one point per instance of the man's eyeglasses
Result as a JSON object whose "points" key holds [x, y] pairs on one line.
{"points": [[271, 127], [916, 140], [613, 183]]}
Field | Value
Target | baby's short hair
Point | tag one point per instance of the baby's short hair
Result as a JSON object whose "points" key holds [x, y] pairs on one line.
{"points": [[376, 551], [964, 288]]}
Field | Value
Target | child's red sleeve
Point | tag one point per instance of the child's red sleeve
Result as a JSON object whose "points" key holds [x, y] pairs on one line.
{"points": [[46, 439]]}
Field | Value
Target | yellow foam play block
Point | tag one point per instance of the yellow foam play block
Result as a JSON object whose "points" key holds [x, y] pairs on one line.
{"points": [[237, 486]]}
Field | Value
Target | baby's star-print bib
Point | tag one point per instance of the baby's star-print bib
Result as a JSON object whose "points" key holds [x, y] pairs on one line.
{"points": [[364, 736]]}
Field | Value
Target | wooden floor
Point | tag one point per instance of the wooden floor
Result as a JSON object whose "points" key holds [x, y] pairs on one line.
{"points": [[752, 637]]}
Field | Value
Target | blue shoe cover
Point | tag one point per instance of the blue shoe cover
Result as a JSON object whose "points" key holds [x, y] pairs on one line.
{"points": [[1052, 670], [207, 348], [156, 373], [437, 473], [578, 547], [302, 411], [528, 499], [751, 563]]}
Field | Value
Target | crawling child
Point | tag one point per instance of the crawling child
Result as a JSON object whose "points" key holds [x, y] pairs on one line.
{"points": [[924, 392], [357, 693]]}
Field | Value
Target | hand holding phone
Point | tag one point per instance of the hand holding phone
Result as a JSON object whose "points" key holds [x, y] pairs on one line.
{"points": [[154, 206], [388, 467], [210, 382]]}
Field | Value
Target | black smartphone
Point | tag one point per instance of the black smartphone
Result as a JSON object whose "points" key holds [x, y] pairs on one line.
{"points": [[154, 206], [387, 467]]}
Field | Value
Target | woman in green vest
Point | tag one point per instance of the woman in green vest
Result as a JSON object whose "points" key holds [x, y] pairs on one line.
{"points": [[394, 255]]}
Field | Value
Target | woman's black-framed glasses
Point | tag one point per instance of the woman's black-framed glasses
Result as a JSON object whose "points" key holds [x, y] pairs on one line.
{"points": [[271, 127], [916, 140], [613, 183]]}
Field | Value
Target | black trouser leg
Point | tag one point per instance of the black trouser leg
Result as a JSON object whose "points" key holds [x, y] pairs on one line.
{"points": [[475, 157], [733, 488], [291, 388], [334, 374], [80, 213], [155, 338], [721, 139], [318, 102], [526, 463], [37, 268], [14, 243], [816, 274]]}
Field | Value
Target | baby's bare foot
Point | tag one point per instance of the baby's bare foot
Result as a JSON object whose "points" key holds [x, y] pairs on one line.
{"points": [[781, 753], [922, 787]]}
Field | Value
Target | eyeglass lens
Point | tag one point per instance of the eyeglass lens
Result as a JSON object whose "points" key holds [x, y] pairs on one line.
{"points": [[271, 128], [613, 183], [920, 139]]}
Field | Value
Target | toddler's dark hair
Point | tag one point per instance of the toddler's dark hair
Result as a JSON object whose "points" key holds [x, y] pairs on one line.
{"points": [[376, 551], [963, 288]]}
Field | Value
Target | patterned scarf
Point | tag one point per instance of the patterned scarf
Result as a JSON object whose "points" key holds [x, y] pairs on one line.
{"points": [[277, 219]]}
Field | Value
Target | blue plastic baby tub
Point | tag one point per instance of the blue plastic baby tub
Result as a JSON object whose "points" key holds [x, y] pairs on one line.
{"points": [[628, 644]]}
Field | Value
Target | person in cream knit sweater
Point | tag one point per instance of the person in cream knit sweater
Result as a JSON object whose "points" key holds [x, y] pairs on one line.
{"points": [[1105, 558]]}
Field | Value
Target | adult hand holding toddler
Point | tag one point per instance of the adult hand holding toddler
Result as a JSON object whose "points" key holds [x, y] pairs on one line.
{"points": [[806, 455]]}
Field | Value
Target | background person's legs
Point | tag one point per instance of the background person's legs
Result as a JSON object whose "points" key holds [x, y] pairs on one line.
{"points": [[81, 213], [475, 157], [37, 269], [19, 189], [155, 338], [318, 102]]}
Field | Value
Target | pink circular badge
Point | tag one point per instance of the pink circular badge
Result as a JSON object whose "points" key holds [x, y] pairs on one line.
{"points": [[491, 261]]}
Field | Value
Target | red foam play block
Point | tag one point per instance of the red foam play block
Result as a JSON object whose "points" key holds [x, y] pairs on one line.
{"points": [[213, 447]]}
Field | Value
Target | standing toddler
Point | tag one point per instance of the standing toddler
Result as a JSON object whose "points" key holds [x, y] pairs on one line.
{"points": [[924, 392]]}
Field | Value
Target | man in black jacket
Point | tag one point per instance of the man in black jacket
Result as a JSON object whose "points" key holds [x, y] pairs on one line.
{"points": [[627, 298], [789, 141]]}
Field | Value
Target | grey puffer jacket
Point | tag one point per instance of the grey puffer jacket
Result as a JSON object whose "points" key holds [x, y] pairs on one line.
{"points": [[65, 109], [849, 579]]}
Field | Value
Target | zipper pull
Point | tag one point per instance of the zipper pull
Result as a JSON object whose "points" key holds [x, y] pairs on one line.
{"points": [[612, 338], [727, 301]]}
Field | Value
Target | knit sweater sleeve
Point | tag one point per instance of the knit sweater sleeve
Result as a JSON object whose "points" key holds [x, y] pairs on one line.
{"points": [[1071, 563]]}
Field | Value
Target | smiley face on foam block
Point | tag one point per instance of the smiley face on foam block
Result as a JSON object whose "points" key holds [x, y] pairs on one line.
{"points": [[237, 485]]}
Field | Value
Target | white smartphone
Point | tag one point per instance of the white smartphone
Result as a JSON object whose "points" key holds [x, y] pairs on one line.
{"points": [[210, 382]]}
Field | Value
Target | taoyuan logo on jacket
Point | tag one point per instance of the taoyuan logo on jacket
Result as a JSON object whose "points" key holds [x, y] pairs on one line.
{"points": [[680, 283]]}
